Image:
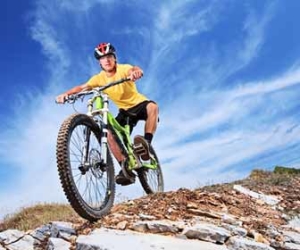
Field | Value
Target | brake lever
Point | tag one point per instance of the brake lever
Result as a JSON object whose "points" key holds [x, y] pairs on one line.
{"points": [[70, 99]]}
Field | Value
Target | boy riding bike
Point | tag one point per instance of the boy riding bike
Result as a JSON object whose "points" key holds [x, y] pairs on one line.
{"points": [[125, 96]]}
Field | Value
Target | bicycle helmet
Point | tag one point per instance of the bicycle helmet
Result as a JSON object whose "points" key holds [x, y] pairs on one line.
{"points": [[104, 49]]}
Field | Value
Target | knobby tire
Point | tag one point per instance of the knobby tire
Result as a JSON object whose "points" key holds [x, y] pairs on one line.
{"points": [[98, 177], [151, 179]]}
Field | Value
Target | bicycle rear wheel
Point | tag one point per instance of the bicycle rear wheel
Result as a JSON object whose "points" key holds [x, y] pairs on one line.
{"points": [[151, 179], [87, 183]]}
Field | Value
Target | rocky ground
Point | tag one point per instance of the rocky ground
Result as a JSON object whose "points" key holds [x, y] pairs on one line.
{"points": [[254, 213], [276, 201], [213, 202]]}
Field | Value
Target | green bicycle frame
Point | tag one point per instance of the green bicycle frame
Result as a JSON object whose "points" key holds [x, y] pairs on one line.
{"points": [[101, 104], [123, 133]]}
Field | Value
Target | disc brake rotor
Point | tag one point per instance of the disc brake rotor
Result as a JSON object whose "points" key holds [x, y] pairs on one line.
{"points": [[95, 160]]}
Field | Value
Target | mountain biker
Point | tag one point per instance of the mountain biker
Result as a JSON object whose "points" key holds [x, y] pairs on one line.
{"points": [[125, 96]]}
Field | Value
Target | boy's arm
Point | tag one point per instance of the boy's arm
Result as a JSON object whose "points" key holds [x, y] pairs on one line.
{"points": [[62, 97]]}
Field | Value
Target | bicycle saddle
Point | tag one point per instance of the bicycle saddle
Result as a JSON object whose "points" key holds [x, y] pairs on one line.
{"points": [[127, 113]]}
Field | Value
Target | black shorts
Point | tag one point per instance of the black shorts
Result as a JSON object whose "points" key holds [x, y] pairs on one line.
{"points": [[134, 114]]}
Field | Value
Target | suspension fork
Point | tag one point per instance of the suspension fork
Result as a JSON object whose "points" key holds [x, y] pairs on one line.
{"points": [[104, 127], [85, 164], [86, 147], [104, 134]]}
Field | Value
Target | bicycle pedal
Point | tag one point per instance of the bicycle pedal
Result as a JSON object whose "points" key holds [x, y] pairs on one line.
{"points": [[139, 149], [127, 173]]}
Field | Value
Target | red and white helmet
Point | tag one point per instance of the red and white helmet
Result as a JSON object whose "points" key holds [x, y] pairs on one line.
{"points": [[104, 49]]}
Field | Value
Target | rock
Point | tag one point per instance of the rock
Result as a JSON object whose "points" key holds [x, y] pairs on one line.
{"points": [[270, 200], [192, 205], [24, 243], [207, 232], [122, 225], [41, 233], [238, 243], [200, 212], [65, 236], [285, 217], [230, 219], [117, 240], [258, 237], [18, 240], [295, 223], [11, 235], [275, 244], [235, 230], [58, 244], [290, 246], [57, 227], [140, 227], [147, 217], [292, 237], [162, 226], [272, 232]]}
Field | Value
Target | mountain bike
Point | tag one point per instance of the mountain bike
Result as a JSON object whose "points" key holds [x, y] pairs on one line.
{"points": [[85, 146]]}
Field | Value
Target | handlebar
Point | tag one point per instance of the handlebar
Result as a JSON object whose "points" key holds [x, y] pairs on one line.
{"points": [[72, 98], [99, 89]]}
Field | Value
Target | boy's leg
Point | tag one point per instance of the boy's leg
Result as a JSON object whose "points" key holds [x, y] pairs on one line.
{"points": [[151, 121], [147, 111], [150, 115]]}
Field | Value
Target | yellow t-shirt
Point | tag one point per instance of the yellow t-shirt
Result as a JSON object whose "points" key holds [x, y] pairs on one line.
{"points": [[124, 95]]}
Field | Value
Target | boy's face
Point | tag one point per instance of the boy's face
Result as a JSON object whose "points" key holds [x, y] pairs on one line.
{"points": [[108, 62]]}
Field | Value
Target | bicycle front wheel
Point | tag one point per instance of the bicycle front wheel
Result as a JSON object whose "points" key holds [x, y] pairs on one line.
{"points": [[151, 179], [87, 183]]}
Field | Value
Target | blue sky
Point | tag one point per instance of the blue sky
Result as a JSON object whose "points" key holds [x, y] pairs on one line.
{"points": [[226, 76]]}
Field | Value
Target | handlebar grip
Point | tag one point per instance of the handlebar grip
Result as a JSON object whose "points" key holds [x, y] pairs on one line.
{"points": [[59, 102]]}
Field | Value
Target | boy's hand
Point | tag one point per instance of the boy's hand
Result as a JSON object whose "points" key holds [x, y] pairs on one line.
{"points": [[135, 73], [61, 98]]}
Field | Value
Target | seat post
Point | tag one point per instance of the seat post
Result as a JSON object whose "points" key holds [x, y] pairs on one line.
{"points": [[127, 120]]}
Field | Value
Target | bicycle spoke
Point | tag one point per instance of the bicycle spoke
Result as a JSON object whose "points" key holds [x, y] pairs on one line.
{"points": [[96, 193], [90, 185]]}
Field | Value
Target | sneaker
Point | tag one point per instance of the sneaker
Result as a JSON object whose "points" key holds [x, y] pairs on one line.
{"points": [[122, 180], [140, 141]]}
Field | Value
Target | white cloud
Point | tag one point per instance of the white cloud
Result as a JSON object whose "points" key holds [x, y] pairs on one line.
{"points": [[223, 107], [209, 160], [289, 79], [199, 144], [80, 6], [255, 27], [177, 21]]}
